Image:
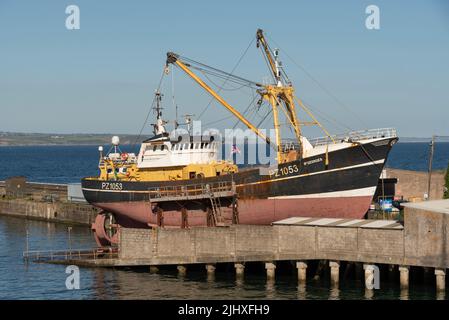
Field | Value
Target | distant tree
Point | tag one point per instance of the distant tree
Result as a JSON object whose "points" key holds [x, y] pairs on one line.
{"points": [[446, 185]]}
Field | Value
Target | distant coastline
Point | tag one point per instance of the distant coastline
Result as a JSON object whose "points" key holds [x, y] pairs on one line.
{"points": [[9, 139]]}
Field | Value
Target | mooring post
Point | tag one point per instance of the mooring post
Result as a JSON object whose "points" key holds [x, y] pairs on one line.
{"points": [[271, 270], [182, 270], [239, 270], [210, 271], [440, 275], [302, 271], [404, 276], [154, 269], [335, 272]]}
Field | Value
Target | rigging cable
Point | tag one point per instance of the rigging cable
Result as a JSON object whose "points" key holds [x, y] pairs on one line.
{"points": [[222, 88], [246, 110], [330, 94], [232, 71], [149, 111], [324, 116]]}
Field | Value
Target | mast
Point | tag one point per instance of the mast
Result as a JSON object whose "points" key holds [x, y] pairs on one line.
{"points": [[279, 95], [159, 125]]}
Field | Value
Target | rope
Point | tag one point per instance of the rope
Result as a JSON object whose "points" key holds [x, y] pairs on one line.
{"points": [[246, 110], [222, 87], [321, 86], [232, 71], [321, 114]]}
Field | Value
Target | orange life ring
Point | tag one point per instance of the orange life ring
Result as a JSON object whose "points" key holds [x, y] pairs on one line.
{"points": [[124, 156]]}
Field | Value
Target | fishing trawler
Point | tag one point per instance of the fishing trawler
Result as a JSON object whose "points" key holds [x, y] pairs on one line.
{"points": [[182, 182]]}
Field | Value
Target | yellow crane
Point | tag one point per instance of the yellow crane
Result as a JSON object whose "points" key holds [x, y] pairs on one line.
{"points": [[279, 95]]}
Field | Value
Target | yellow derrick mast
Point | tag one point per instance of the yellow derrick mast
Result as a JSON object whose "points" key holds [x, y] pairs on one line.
{"points": [[279, 95]]}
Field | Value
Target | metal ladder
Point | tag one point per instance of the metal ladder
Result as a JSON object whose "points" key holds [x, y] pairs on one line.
{"points": [[216, 207]]}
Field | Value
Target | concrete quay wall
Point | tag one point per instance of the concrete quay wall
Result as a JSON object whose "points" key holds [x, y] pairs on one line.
{"points": [[65, 212], [424, 241], [243, 243]]}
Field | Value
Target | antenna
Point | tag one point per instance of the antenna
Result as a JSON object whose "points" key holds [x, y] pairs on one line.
{"points": [[188, 119], [158, 107], [173, 96], [176, 117], [159, 125]]}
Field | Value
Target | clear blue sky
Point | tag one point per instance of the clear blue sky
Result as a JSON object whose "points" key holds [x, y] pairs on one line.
{"points": [[101, 78]]}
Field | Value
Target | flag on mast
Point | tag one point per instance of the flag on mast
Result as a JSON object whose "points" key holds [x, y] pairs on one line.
{"points": [[235, 149]]}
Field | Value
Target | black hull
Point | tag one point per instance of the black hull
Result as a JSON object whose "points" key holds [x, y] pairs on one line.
{"points": [[350, 169]]}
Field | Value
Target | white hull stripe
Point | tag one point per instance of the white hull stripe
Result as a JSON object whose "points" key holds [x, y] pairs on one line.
{"points": [[362, 192], [366, 164]]}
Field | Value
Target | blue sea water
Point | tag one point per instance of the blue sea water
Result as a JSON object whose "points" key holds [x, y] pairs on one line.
{"points": [[68, 164]]}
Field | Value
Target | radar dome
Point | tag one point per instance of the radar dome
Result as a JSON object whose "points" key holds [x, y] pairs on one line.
{"points": [[115, 140]]}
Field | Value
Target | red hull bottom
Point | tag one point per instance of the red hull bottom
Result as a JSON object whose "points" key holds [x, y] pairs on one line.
{"points": [[257, 211]]}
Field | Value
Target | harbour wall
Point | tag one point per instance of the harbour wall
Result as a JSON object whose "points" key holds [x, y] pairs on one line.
{"points": [[422, 242], [44, 201], [244, 243], [412, 185], [64, 212]]}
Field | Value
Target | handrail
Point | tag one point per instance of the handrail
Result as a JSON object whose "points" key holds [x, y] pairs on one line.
{"points": [[191, 189], [356, 135], [69, 254]]}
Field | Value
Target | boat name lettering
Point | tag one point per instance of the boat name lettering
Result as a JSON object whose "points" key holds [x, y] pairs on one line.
{"points": [[111, 186], [306, 163], [284, 171]]}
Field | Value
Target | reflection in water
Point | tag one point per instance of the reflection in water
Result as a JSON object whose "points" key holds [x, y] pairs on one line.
{"points": [[403, 294], [102, 291], [239, 282], [46, 281], [270, 289], [334, 293], [369, 294], [210, 277], [302, 291], [441, 295]]}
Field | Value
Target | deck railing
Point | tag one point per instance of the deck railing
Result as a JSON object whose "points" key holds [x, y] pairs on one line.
{"points": [[192, 190], [355, 136]]}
